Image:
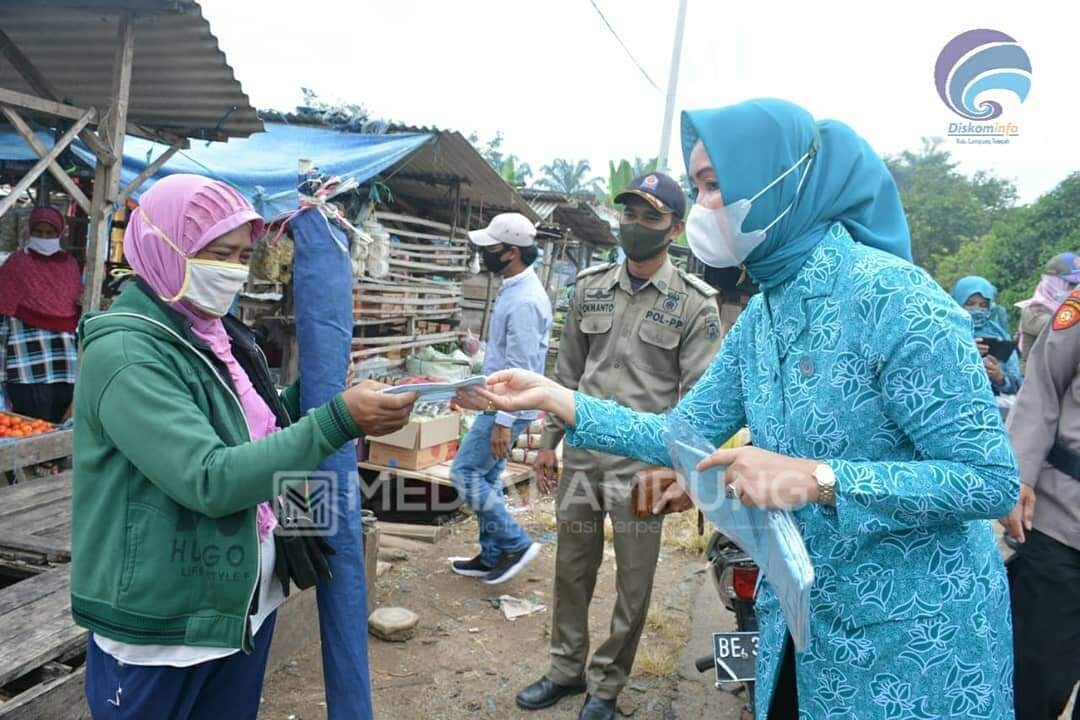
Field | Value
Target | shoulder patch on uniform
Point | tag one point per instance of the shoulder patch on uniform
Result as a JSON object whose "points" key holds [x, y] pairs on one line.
{"points": [[1069, 313], [595, 269], [698, 284]]}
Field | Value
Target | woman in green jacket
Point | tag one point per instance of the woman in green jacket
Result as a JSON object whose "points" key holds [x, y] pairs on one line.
{"points": [[180, 437]]}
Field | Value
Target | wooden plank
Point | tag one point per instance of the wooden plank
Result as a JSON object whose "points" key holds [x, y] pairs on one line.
{"points": [[55, 170], [457, 244], [426, 267], [427, 255], [42, 105], [381, 216], [374, 299], [41, 165], [18, 546], [36, 449], [457, 249], [107, 174], [61, 699], [391, 339], [41, 518], [147, 173], [15, 499], [23, 502], [10, 568], [33, 589], [40, 630], [424, 533], [368, 287]]}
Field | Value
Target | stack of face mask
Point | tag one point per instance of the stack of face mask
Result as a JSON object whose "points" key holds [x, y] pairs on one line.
{"points": [[770, 537]]}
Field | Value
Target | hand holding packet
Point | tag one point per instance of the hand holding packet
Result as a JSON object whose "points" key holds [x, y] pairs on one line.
{"points": [[770, 537], [436, 392]]}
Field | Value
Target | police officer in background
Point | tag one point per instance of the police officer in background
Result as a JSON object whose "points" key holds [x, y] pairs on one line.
{"points": [[1044, 575], [639, 332]]}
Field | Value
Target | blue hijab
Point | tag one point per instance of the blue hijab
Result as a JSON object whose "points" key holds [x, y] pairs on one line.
{"points": [[991, 325], [754, 142]]}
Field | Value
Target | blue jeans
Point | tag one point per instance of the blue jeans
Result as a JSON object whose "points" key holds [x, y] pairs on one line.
{"points": [[226, 688], [475, 474]]}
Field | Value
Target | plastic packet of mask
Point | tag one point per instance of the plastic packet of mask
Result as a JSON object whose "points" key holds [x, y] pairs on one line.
{"points": [[770, 537]]}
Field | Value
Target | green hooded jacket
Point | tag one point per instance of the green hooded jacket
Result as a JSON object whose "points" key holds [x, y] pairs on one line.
{"points": [[167, 480]]}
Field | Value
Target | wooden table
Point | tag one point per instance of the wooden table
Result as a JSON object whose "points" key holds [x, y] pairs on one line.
{"points": [[17, 454], [39, 642], [35, 520]]}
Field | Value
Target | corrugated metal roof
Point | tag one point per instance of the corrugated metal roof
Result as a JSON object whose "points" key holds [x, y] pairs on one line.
{"points": [[544, 208], [180, 80], [573, 213], [430, 173]]}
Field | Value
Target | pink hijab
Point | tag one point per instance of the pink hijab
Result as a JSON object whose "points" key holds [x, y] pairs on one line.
{"points": [[193, 211]]}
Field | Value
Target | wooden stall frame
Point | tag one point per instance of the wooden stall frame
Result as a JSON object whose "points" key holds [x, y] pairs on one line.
{"points": [[107, 144]]}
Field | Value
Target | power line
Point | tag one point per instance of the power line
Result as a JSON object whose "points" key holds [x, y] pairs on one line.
{"points": [[624, 47]]}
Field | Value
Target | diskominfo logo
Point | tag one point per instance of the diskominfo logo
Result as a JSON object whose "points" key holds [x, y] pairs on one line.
{"points": [[976, 72]]}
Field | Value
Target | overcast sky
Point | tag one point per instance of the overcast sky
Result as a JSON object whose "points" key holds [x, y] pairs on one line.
{"points": [[551, 77]]}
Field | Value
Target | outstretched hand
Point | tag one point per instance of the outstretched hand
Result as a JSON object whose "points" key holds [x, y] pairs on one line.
{"points": [[508, 391]]}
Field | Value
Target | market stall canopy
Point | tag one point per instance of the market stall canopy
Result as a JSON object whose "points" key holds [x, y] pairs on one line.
{"points": [[180, 81], [574, 214], [263, 166], [451, 161]]}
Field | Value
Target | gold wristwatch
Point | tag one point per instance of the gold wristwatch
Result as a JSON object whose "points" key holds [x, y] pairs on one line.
{"points": [[826, 485]]}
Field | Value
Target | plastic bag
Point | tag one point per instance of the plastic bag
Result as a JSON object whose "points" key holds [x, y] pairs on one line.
{"points": [[770, 537]]}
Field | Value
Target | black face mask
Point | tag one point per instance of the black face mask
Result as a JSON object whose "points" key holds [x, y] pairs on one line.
{"points": [[493, 261], [641, 243]]}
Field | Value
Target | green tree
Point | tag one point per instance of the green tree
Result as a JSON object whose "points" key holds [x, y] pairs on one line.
{"points": [[512, 169], [946, 209], [619, 176], [570, 177], [1014, 251]]}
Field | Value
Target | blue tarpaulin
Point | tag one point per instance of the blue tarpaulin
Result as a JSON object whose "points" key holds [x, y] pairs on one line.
{"points": [[322, 287], [262, 166]]}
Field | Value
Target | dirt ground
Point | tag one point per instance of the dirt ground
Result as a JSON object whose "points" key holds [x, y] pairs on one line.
{"points": [[468, 661]]}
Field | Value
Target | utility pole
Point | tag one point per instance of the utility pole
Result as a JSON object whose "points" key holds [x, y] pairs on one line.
{"points": [[672, 86]]}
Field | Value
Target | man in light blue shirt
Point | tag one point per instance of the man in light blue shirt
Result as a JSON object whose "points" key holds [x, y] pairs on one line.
{"points": [[517, 338]]}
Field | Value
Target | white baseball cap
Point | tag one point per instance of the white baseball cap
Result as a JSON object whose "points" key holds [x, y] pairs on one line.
{"points": [[508, 229]]}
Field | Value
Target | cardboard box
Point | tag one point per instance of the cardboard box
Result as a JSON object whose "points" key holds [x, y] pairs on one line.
{"points": [[423, 433], [411, 459]]}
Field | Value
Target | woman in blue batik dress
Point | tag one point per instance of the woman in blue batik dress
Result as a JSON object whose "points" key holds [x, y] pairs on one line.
{"points": [[871, 415]]}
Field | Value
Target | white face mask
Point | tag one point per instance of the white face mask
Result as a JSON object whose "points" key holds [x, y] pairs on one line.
{"points": [[716, 236], [212, 285], [44, 246], [209, 285]]}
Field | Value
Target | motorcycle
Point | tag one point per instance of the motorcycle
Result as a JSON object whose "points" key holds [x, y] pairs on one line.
{"points": [[734, 575]]}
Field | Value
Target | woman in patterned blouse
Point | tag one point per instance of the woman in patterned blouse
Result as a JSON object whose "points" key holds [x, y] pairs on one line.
{"points": [[871, 415]]}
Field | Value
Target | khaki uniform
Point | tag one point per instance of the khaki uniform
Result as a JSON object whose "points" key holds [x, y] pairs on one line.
{"points": [[643, 349]]}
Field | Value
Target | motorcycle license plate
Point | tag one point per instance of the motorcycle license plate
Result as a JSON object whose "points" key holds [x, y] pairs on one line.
{"points": [[736, 655]]}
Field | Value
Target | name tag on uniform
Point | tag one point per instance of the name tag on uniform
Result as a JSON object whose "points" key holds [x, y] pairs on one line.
{"points": [[598, 300]]}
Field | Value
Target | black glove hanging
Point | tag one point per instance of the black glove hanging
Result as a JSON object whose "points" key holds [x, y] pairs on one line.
{"points": [[301, 552]]}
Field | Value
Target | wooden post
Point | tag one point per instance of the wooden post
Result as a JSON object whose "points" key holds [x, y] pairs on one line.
{"points": [[146, 174], [27, 134], [107, 174], [41, 165]]}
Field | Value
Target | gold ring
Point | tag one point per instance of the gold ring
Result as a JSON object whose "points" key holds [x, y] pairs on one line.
{"points": [[490, 407]]}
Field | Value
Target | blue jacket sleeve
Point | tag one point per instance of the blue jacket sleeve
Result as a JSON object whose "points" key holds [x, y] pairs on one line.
{"points": [[936, 392], [713, 407]]}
